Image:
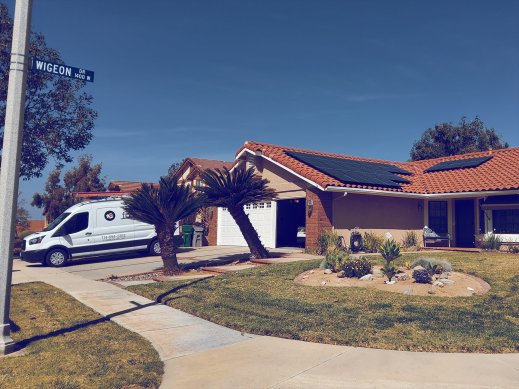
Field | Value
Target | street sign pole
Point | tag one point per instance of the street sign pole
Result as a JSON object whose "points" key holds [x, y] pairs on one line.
{"points": [[10, 168]]}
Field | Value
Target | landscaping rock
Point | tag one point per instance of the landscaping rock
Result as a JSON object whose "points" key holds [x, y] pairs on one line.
{"points": [[443, 276], [340, 274], [418, 267], [470, 289], [401, 276], [401, 270], [367, 277], [392, 282], [323, 283], [438, 283], [328, 271], [446, 281], [431, 291]]}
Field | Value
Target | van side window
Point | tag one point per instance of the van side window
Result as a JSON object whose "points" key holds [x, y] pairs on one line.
{"points": [[76, 223]]}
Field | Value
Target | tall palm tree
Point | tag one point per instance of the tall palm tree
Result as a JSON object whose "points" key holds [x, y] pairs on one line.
{"points": [[232, 190], [163, 206]]}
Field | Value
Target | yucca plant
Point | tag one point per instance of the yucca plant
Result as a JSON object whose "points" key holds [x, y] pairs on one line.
{"points": [[163, 206], [233, 190], [390, 250]]}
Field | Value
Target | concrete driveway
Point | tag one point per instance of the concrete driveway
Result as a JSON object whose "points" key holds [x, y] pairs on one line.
{"points": [[125, 264]]}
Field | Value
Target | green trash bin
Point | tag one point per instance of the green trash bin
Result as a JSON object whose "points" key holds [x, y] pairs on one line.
{"points": [[187, 235]]}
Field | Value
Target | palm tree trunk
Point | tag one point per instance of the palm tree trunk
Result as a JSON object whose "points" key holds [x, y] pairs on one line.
{"points": [[249, 233], [168, 250]]}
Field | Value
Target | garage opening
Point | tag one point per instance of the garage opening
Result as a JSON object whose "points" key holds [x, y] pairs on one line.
{"points": [[291, 220]]}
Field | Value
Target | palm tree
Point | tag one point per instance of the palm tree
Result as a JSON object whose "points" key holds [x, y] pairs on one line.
{"points": [[232, 190], [163, 206]]}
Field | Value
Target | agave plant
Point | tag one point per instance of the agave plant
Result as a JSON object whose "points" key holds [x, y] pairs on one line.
{"points": [[233, 190], [390, 250], [163, 207]]}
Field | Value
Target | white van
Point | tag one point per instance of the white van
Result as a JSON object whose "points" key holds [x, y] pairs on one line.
{"points": [[89, 229]]}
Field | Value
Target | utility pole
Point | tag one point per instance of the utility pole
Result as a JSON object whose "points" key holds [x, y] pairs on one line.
{"points": [[10, 168]]}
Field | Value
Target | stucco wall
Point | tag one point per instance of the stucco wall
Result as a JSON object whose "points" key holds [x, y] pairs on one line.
{"points": [[285, 184], [378, 214]]}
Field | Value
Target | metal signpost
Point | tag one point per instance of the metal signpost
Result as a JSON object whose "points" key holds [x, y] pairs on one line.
{"points": [[11, 151], [10, 169]]}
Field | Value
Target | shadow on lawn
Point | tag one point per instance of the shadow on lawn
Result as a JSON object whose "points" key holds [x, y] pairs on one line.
{"points": [[25, 342], [161, 297]]}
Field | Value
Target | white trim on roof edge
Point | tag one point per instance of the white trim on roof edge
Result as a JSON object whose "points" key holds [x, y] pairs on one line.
{"points": [[260, 154], [420, 195], [343, 189]]}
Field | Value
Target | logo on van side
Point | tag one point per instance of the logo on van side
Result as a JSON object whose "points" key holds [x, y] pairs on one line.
{"points": [[109, 215]]}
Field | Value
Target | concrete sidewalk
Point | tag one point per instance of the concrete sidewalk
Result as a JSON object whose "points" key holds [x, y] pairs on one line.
{"points": [[201, 354]]}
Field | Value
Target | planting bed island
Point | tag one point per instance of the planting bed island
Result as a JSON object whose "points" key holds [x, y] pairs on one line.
{"points": [[455, 284], [265, 300]]}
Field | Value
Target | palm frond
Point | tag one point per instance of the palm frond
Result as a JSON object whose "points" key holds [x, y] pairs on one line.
{"points": [[225, 188], [165, 204]]}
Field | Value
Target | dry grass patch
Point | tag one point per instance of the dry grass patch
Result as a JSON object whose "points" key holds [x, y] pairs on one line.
{"points": [[68, 345], [266, 301]]}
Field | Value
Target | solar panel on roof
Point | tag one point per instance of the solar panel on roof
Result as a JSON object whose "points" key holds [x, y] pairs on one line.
{"points": [[458, 164], [354, 172]]}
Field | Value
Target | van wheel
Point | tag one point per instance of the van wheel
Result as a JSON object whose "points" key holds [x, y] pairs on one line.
{"points": [[155, 247], [56, 258]]}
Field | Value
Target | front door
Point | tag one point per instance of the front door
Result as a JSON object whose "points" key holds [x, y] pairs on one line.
{"points": [[464, 218]]}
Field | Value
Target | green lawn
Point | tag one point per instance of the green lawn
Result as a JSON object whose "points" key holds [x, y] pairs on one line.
{"points": [[265, 301], [70, 346]]}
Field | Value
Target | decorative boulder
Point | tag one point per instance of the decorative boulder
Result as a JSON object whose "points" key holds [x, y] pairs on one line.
{"points": [[367, 277]]}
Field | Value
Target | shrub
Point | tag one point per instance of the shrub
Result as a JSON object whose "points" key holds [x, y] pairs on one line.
{"points": [[357, 267], [410, 239], [335, 261], [491, 242], [328, 242], [422, 276], [389, 270], [390, 250], [371, 242], [427, 263]]}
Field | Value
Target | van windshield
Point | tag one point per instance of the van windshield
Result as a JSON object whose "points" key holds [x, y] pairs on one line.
{"points": [[56, 221]]}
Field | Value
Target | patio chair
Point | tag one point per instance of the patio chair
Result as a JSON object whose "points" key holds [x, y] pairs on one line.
{"points": [[430, 236]]}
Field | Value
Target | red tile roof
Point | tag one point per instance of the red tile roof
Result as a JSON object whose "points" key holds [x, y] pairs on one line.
{"points": [[499, 173], [204, 164]]}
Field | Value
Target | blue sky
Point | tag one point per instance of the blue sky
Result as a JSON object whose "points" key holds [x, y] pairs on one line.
{"points": [[198, 78]]}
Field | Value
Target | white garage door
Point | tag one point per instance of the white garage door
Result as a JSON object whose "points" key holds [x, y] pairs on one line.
{"points": [[262, 217]]}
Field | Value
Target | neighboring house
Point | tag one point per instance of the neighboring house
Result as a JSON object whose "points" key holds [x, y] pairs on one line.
{"points": [[189, 172], [115, 189], [464, 196], [34, 225]]}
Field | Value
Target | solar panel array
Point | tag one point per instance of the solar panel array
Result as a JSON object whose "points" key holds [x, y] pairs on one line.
{"points": [[458, 164], [354, 172]]}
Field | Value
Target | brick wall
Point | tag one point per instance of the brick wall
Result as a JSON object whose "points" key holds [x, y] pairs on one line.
{"points": [[321, 217], [213, 221]]}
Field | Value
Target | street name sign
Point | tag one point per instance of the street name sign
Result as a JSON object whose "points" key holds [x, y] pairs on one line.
{"points": [[62, 70]]}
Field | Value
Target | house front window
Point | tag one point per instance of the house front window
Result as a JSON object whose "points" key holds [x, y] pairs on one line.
{"points": [[438, 217], [505, 221]]}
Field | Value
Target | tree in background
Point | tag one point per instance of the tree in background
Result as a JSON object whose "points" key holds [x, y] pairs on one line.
{"points": [[56, 198], [22, 215], [174, 167], [163, 206], [446, 139], [233, 190], [58, 115]]}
